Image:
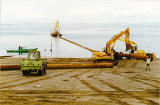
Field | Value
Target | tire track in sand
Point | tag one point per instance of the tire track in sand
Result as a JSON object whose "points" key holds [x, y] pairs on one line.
{"points": [[9, 74], [36, 80], [90, 86], [145, 101], [79, 74], [146, 78], [3, 83], [138, 80], [20, 78], [108, 95]]}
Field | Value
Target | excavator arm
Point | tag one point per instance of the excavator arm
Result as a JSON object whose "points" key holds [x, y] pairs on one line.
{"points": [[129, 44], [110, 44]]}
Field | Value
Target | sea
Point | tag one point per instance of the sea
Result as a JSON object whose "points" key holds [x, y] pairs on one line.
{"points": [[92, 35]]}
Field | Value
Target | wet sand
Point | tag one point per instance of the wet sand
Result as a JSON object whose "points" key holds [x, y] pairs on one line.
{"points": [[126, 84]]}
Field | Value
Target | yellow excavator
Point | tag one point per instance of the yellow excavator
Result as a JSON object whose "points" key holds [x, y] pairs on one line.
{"points": [[130, 46], [134, 52], [109, 53], [56, 31]]}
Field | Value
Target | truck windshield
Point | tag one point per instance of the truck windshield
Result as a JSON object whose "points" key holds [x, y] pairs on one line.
{"points": [[33, 56]]}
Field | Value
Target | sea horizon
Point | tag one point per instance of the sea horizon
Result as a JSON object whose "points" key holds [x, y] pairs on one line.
{"points": [[91, 35]]}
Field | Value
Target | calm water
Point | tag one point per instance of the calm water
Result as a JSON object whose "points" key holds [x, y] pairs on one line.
{"points": [[93, 36]]}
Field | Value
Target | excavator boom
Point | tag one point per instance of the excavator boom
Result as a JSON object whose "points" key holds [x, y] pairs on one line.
{"points": [[110, 44]]}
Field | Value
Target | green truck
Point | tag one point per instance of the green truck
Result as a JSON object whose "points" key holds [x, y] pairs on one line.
{"points": [[34, 64]]}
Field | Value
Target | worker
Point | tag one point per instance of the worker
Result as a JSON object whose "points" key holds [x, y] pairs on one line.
{"points": [[19, 47], [148, 64]]}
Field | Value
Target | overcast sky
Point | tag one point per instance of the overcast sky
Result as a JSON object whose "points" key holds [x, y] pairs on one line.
{"points": [[77, 11]]}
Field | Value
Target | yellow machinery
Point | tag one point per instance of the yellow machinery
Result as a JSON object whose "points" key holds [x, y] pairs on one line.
{"points": [[134, 52], [110, 44], [97, 55], [110, 54], [56, 31], [141, 54], [130, 46]]}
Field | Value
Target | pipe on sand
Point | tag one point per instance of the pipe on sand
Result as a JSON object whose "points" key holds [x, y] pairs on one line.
{"points": [[10, 67], [62, 66], [74, 66]]}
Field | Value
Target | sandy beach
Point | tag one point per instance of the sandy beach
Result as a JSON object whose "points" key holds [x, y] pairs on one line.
{"points": [[126, 84]]}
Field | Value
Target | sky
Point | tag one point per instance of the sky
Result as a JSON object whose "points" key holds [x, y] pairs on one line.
{"points": [[80, 11]]}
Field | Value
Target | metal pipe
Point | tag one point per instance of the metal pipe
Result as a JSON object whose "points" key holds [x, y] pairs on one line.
{"points": [[74, 66], [62, 66], [10, 67], [134, 55], [139, 56]]}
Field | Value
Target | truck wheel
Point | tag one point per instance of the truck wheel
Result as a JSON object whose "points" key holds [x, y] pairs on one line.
{"points": [[41, 72], [24, 73], [45, 69]]}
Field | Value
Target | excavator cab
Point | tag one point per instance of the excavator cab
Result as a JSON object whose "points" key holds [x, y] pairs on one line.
{"points": [[133, 49]]}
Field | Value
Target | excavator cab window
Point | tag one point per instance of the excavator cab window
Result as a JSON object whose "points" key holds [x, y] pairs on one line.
{"points": [[133, 49]]}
